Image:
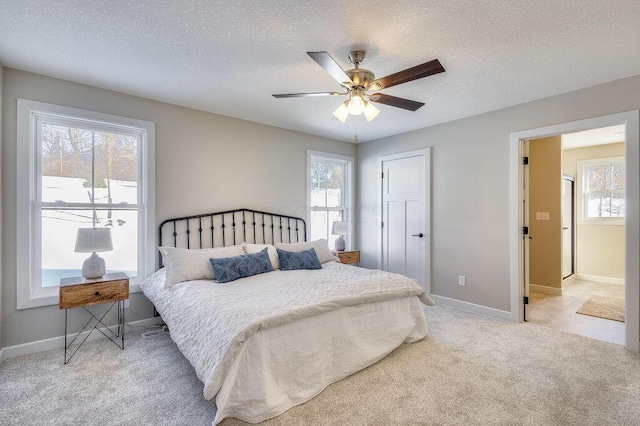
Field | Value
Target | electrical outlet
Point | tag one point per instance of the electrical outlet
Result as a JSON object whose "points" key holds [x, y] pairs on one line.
{"points": [[462, 280], [126, 303]]}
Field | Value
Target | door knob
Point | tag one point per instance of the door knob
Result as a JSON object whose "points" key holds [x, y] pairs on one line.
{"points": [[420, 235]]}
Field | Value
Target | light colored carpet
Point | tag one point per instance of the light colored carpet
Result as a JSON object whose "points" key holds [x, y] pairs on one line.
{"points": [[470, 370], [603, 307]]}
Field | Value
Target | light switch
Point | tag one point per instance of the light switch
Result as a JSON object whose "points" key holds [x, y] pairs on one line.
{"points": [[542, 215]]}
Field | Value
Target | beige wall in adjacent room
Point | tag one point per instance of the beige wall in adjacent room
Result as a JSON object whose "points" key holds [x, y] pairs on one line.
{"points": [[470, 186], [545, 196], [599, 248], [204, 162]]}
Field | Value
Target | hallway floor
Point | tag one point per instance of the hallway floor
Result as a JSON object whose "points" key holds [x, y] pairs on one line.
{"points": [[559, 312]]}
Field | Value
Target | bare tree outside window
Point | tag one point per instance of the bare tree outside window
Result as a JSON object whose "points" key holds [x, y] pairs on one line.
{"points": [[605, 186]]}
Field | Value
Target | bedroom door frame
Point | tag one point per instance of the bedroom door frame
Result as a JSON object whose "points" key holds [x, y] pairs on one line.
{"points": [[631, 119], [426, 152]]}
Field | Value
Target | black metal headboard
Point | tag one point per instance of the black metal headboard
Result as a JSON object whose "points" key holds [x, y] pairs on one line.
{"points": [[231, 227]]}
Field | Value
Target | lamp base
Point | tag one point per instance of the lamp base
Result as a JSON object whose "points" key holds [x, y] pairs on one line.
{"points": [[340, 244], [94, 267]]}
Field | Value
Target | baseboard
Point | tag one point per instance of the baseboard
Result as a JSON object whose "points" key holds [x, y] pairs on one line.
{"points": [[472, 307], [598, 279], [545, 289], [58, 342], [1, 355]]}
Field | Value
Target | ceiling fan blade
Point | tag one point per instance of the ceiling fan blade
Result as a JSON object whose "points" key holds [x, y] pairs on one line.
{"points": [[331, 66], [410, 74], [308, 95], [393, 101]]}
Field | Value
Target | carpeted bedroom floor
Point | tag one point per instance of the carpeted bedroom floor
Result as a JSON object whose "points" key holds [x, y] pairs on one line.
{"points": [[471, 369]]}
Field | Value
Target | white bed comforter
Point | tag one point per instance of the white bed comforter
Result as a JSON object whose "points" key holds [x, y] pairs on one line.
{"points": [[210, 322]]}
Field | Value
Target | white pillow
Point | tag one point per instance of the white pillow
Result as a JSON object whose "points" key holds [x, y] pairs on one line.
{"points": [[257, 248], [321, 247], [187, 265]]}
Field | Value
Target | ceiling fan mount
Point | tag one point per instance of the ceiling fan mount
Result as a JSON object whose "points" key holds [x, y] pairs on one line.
{"points": [[360, 77], [357, 81]]}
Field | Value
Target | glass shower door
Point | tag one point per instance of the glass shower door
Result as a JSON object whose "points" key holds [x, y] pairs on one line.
{"points": [[568, 226]]}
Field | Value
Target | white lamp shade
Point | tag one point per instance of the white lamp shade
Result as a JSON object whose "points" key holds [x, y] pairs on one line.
{"points": [[90, 240], [356, 105], [341, 113], [370, 111], [340, 228]]}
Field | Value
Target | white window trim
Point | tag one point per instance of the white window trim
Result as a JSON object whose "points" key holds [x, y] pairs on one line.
{"points": [[349, 189], [580, 202], [28, 294]]}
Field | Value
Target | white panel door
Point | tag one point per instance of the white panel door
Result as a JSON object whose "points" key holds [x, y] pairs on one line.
{"points": [[406, 225]]}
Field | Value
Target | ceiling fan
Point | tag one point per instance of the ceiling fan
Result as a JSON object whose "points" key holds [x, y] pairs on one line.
{"points": [[358, 81]]}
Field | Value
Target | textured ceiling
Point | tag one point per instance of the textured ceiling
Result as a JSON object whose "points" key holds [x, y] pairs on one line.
{"points": [[601, 136], [229, 57]]}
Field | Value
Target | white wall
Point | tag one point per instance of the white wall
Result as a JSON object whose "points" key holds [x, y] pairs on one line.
{"points": [[470, 187], [204, 163]]}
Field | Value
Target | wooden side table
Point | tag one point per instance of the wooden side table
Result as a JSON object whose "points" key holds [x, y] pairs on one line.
{"points": [[349, 256], [77, 292]]}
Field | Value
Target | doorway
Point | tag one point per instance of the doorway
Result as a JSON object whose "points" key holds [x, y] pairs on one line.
{"points": [[405, 237], [581, 294], [631, 121]]}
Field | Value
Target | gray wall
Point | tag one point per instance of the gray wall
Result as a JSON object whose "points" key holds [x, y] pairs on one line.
{"points": [[1, 203], [470, 187], [204, 162]]}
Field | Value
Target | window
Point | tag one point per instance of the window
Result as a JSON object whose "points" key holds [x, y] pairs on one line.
{"points": [[329, 195], [79, 169], [601, 190]]}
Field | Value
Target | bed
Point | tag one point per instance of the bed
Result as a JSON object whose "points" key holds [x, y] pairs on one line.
{"points": [[265, 343]]}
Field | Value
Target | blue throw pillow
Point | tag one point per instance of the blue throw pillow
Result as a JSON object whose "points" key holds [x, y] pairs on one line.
{"points": [[227, 269], [290, 260]]}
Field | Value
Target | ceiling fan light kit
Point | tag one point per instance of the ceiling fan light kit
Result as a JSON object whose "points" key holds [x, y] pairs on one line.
{"points": [[358, 81]]}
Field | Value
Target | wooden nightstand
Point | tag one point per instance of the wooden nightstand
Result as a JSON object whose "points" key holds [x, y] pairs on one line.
{"points": [[77, 292], [349, 256]]}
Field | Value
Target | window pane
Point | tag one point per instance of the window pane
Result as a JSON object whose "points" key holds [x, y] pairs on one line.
{"points": [[322, 224], [617, 207], [66, 164], [116, 172], [605, 177], [617, 178], [597, 178], [333, 216], [319, 220], [327, 183], [605, 205], [318, 197], [66, 157], [59, 228]]}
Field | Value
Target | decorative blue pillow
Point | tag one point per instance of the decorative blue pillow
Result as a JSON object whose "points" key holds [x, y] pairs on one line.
{"points": [[291, 260], [227, 269]]}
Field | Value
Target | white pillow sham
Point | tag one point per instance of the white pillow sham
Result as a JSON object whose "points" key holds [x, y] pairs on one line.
{"points": [[321, 247], [187, 264], [257, 248]]}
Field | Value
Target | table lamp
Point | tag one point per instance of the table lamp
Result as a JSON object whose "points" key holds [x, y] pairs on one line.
{"points": [[93, 240], [340, 228]]}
